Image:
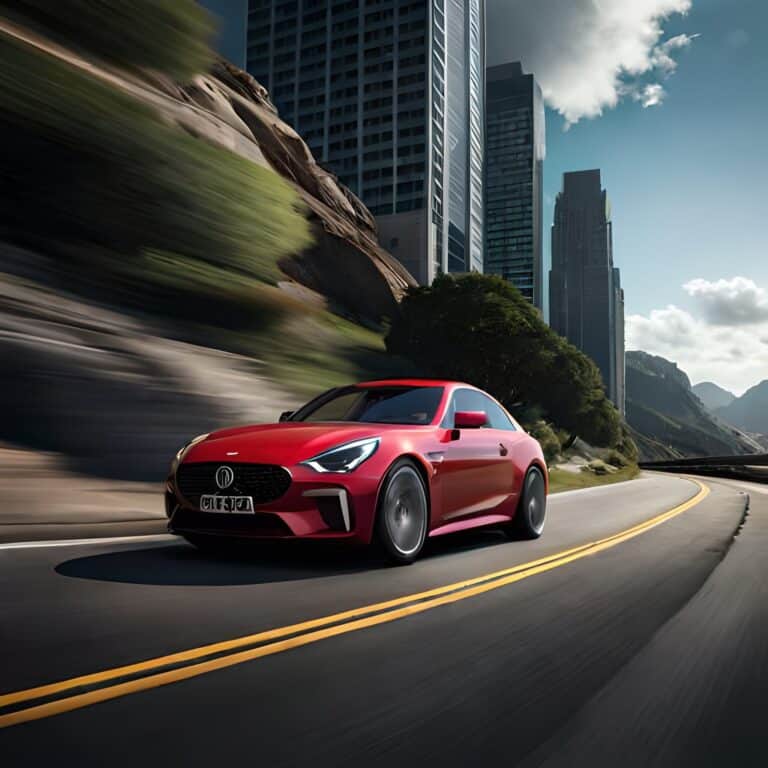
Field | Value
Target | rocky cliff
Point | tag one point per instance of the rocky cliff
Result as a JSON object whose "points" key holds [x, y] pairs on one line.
{"points": [[229, 108], [346, 264]]}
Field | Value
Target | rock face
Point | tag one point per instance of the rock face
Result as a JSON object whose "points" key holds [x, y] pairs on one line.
{"points": [[669, 420], [346, 264]]}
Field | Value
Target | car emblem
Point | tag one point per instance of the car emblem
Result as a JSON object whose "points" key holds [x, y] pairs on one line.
{"points": [[225, 476]]}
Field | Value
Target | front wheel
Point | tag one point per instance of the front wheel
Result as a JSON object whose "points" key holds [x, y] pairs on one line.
{"points": [[403, 513], [528, 522]]}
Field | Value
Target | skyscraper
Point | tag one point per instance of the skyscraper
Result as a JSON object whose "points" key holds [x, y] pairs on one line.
{"points": [[586, 302], [515, 147], [389, 95]]}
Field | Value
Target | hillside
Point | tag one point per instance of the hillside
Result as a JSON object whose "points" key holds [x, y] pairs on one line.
{"points": [[712, 396], [750, 411], [669, 418]]}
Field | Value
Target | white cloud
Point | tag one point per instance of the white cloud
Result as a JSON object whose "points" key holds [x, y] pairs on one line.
{"points": [[661, 58], [671, 328], [585, 54], [738, 301], [732, 354], [650, 95]]}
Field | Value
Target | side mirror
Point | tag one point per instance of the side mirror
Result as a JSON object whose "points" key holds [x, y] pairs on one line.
{"points": [[470, 419], [286, 415]]}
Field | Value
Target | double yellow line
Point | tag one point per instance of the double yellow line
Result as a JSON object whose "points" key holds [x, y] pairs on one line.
{"points": [[78, 692]]}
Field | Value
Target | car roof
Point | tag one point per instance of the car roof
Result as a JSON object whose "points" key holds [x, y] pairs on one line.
{"points": [[412, 383]]}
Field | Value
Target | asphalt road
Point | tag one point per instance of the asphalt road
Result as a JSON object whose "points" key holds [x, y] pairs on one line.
{"points": [[647, 648]]}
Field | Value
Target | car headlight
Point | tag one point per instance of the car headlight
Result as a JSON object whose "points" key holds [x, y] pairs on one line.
{"points": [[344, 458], [184, 448]]}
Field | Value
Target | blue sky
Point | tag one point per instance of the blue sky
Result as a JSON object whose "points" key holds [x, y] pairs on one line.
{"points": [[687, 179]]}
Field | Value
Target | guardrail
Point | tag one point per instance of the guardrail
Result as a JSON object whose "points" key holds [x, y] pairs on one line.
{"points": [[752, 467]]}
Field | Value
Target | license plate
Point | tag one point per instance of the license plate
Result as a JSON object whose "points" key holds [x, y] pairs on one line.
{"points": [[234, 504]]}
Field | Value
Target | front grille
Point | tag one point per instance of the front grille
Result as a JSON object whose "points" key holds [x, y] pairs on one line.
{"points": [[264, 482]]}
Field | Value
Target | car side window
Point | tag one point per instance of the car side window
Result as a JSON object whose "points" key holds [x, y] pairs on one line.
{"points": [[473, 400]]}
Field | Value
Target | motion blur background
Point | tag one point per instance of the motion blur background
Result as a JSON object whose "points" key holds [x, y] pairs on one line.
{"points": [[172, 259]]}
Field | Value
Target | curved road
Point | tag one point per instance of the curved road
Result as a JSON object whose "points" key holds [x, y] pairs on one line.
{"points": [[635, 632]]}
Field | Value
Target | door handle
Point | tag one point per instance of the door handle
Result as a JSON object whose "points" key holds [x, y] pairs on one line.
{"points": [[503, 450]]}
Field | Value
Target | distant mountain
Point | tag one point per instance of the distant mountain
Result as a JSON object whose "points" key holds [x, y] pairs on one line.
{"points": [[712, 396], [750, 411], [669, 419]]}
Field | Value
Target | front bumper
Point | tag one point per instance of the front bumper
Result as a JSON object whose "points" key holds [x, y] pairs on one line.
{"points": [[315, 506]]}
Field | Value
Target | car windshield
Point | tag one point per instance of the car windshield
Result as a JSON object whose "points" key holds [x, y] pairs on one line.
{"points": [[377, 405]]}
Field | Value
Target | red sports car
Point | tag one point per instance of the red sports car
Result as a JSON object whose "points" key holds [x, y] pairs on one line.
{"points": [[390, 462]]}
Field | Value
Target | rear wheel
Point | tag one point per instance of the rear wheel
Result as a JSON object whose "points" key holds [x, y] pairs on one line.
{"points": [[403, 513], [529, 519]]}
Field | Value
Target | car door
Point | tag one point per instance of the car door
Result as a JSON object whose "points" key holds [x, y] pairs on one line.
{"points": [[510, 440], [474, 472]]}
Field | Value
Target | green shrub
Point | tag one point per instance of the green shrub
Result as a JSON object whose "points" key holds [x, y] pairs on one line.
{"points": [[171, 36], [480, 328], [90, 172], [548, 439]]}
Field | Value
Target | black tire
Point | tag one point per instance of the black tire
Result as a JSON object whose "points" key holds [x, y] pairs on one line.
{"points": [[402, 516], [531, 513]]}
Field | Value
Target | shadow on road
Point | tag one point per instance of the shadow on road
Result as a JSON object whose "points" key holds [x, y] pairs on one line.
{"points": [[182, 565], [255, 563]]}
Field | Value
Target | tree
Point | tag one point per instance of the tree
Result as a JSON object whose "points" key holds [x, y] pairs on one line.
{"points": [[480, 329]]}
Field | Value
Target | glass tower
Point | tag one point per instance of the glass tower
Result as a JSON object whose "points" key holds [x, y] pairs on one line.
{"points": [[515, 147], [586, 301], [388, 94]]}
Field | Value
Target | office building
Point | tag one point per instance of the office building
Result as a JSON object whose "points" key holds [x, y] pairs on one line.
{"points": [[514, 156], [389, 95], [586, 302]]}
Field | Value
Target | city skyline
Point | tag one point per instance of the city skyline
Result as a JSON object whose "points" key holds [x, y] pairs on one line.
{"points": [[626, 102]]}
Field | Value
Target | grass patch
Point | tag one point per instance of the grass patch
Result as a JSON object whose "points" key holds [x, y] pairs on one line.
{"points": [[562, 480]]}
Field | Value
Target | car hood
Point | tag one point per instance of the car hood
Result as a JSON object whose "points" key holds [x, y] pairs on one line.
{"points": [[285, 443]]}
